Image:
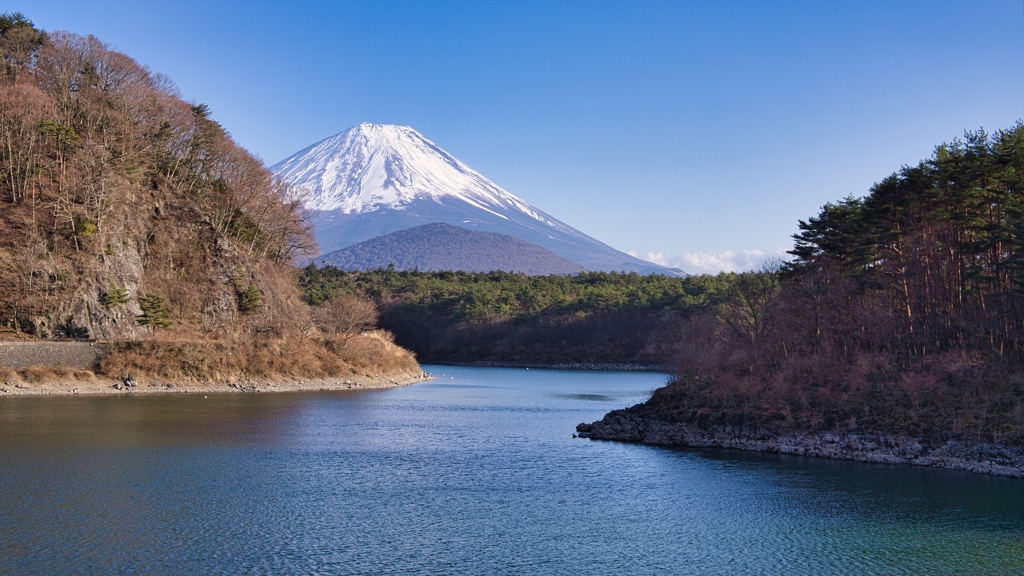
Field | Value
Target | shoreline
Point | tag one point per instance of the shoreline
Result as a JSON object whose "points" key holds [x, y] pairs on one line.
{"points": [[856, 445], [596, 366], [104, 386]]}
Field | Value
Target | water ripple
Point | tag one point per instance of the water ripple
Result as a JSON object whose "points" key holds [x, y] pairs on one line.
{"points": [[478, 475]]}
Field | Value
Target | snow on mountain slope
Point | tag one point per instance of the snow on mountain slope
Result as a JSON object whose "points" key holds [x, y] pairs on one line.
{"points": [[374, 179]]}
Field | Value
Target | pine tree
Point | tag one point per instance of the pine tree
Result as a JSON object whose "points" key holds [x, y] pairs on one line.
{"points": [[154, 311]]}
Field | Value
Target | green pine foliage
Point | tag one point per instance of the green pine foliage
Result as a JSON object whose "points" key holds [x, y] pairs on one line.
{"points": [[154, 311], [114, 297], [477, 296], [942, 242], [250, 299], [84, 227], [249, 296]]}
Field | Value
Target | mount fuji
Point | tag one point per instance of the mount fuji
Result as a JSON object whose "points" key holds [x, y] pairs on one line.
{"points": [[374, 179]]}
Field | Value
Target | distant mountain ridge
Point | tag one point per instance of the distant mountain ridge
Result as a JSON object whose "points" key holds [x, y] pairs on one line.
{"points": [[375, 179], [439, 246]]}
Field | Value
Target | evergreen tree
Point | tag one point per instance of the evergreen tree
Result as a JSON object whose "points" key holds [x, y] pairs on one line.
{"points": [[154, 311]]}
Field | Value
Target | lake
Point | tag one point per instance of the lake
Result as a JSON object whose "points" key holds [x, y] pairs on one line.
{"points": [[475, 472]]}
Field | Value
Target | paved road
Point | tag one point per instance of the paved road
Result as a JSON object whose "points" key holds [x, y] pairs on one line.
{"points": [[19, 355]]}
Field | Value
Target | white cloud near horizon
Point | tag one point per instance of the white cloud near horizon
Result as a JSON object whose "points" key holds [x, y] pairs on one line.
{"points": [[700, 262]]}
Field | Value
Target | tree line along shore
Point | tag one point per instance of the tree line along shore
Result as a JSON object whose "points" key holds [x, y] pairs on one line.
{"points": [[896, 329]]}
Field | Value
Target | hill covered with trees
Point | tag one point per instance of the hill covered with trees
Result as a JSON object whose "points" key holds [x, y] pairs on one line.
{"points": [[128, 214], [902, 312], [439, 246]]}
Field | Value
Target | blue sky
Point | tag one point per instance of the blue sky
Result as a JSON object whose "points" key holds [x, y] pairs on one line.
{"points": [[692, 133]]}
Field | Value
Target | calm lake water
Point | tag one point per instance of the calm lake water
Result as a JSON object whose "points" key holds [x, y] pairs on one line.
{"points": [[474, 473]]}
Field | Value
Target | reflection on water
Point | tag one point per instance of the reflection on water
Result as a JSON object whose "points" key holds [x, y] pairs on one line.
{"points": [[476, 472]]}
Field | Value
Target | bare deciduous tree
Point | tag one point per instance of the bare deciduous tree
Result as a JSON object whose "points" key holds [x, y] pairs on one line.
{"points": [[345, 316]]}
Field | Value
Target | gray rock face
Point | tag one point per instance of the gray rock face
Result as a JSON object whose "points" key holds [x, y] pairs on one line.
{"points": [[85, 316], [20, 355], [626, 426], [82, 313]]}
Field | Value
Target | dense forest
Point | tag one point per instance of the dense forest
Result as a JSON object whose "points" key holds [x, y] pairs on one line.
{"points": [[129, 214], [901, 311], [440, 246], [591, 317]]}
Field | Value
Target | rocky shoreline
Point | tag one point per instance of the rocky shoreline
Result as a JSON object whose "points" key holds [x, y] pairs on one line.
{"points": [[97, 386], [859, 445]]}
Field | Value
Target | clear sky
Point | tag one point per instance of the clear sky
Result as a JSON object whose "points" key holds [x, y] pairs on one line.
{"points": [[692, 133]]}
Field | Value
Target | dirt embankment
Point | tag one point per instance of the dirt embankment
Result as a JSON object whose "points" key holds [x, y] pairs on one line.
{"points": [[42, 368], [81, 382]]}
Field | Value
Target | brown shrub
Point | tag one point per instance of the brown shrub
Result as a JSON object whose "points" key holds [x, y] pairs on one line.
{"points": [[8, 374], [36, 374], [345, 316]]}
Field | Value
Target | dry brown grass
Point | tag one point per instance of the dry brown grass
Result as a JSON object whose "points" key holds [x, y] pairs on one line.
{"points": [[8, 374], [374, 351], [36, 374], [257, 356], [39, 374]]}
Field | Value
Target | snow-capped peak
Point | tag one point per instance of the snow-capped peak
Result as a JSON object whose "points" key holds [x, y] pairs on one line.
{"points": [[374, 179], [374, 166]]}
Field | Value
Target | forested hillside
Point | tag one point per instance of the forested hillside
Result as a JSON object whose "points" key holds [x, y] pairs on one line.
{"points": [[439, 246], [593, 317], [129, 214], [902, 311]]}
